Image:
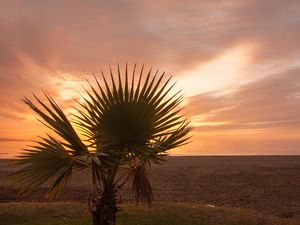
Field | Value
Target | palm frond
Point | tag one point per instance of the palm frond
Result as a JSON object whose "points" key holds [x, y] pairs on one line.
{"points": [[46, 160], [54, 118], [140, 185], [130, 118], [125, 124]]}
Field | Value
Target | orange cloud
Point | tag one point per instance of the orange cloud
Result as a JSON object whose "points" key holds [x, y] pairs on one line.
{"points": [[237, 61]]}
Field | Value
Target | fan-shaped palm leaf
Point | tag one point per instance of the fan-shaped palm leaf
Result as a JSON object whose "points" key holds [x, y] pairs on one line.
{"points": [[127, 124], [128, 118]]}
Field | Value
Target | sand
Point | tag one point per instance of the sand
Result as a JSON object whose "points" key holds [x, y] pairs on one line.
{"points": [[267, 184]]}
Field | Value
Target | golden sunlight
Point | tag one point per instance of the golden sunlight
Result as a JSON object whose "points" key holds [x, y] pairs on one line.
{"points": [[219, 74]]}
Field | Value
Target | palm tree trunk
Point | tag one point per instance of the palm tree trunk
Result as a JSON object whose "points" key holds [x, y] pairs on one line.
{"points": [[105, 210]]}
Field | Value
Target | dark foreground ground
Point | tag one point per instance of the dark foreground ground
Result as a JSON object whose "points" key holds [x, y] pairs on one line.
{"points": [[267, 185], [75, 213]]}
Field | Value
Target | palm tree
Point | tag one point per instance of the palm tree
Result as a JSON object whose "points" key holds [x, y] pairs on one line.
{"points": [[122, 128]]}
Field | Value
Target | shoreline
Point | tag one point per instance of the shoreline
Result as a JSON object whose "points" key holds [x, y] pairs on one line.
{"points": [[202, 156]]}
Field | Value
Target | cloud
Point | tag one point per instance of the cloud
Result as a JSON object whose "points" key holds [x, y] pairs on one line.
{"points": [[54, 45], [28, 54], [270, 102], [11, 140], [165, 33]]}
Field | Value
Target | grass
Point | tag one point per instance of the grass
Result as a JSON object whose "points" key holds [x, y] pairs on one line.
{"points": [[73, 213]]}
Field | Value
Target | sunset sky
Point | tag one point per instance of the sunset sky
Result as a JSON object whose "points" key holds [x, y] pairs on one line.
{"points": [[237, 62]]}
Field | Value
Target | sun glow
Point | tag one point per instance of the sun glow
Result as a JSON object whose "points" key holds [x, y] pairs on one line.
{"points": [[68, 87], [220, 74]]}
